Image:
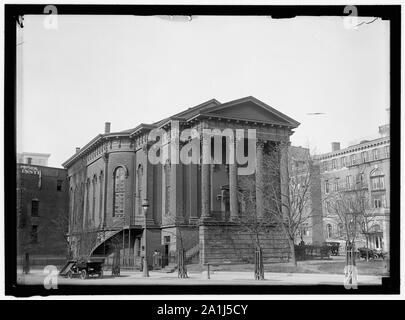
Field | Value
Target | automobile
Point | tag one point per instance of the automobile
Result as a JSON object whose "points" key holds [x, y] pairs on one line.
{"points": [[334, 247], [82, 268], [372, 253]]}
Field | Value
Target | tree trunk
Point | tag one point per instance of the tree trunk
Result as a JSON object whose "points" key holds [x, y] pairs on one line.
{"points": [[292, 250]]}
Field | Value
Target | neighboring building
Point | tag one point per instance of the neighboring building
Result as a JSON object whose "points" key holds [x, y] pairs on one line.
{"points": [[37, 159], [191, 206], [364, 166], [302, 166], [42, 214]]}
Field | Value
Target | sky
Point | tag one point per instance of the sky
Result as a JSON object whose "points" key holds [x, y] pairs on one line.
{"points": [[129, 70]]}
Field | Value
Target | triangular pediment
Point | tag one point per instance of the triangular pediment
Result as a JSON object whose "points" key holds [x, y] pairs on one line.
{"points": [[252, 109]]}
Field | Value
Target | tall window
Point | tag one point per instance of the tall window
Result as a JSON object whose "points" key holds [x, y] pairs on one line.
{"points": [[375, 154], [387, 151], [336, 184], [377, 180], [329, 231], [349, 182], [326, 186], [353, 159], [364, 156], [340, 229], [333, 164], [34, 208], [59, 185], [34, 234], [343, 162], [119, 192]]}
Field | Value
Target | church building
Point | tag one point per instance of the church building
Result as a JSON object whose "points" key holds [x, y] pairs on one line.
{"points": [[196, 205]]}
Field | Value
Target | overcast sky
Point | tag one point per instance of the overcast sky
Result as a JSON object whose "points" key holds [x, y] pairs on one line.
{"points": [[128, 70]]}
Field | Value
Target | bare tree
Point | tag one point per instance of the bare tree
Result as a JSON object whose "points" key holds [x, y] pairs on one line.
{"points": [[286, 189], [350, 208]]}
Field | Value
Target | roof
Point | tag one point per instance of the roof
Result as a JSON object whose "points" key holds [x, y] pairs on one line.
{"points": [[263, 114]]}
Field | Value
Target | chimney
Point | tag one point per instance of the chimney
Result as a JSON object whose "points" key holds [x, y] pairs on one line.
{"points": [[107, 127], [77, 149], [335, 146]]}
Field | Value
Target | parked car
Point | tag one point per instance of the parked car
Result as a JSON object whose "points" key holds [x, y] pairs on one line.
{"points": [[372, 253], [82, 268]]}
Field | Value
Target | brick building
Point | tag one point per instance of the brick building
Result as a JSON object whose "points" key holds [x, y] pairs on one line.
{"points": [[42, 215], [192, 206], [364, 166], [302, 165]]}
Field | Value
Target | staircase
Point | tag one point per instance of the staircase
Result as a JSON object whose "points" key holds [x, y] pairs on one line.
{"points": [[193, 254]]}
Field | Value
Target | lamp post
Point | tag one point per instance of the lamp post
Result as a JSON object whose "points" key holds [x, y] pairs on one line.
{"points": [[145, 206]]}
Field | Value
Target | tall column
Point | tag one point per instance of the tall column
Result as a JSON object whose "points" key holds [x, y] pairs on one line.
{"points": [[284, 175], [259, 179], [176, 192], [105, 157], [233, 186], [193, 193], [148, 187], [205, 177]]}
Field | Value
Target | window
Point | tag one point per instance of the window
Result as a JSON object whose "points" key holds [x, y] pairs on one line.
{"points": [[333, 164], [377, 183], [59, 185], [34, 208], [329, 231], [375, 154], [326, 186], [336, 184], [343, 161], [364, 156], [166, 239], [34, 234], [327, 206], [29, 160], [340, 229], [325, 165], [353, 159], [360, 179], [349, 182], [387, 151], [377, 203], [384, 201], [119, 191]]}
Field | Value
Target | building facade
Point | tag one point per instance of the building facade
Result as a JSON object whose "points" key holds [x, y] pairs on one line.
{"points": [[192, 205], [364, 169], [305, 175], [42, 215]]}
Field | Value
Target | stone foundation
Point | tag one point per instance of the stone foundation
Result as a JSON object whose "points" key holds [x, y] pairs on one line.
{"points": [[230, 243]]}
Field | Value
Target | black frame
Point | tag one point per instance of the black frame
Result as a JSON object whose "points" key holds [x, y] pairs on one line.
{"points": [[12, 12]]}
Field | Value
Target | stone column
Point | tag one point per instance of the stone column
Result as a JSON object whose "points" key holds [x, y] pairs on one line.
{"points": [[148, 177], [176, 192], [259, 179], [105, 157], [233, 186], [284, 175], [205, 178], [192, 193]]}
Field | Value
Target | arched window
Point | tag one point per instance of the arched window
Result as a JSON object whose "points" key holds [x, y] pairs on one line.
{"points": [[119, 191], [377, 179], [329, 230]]}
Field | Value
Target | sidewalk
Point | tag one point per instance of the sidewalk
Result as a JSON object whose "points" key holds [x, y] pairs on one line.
{"points": [[217, 278]]}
